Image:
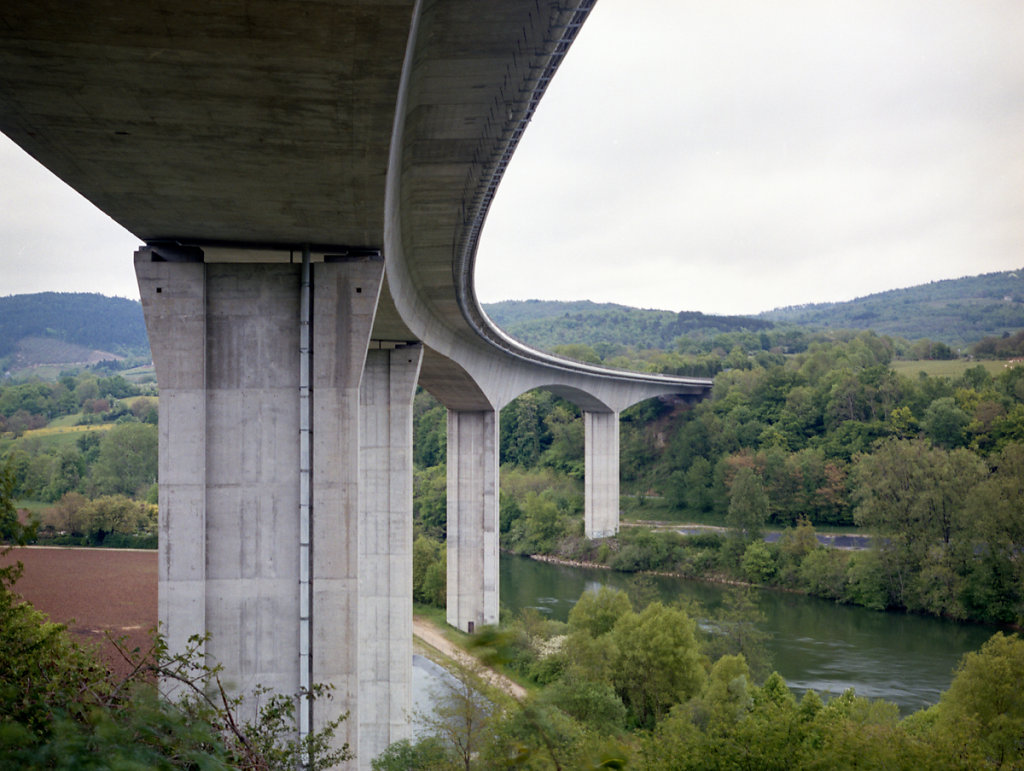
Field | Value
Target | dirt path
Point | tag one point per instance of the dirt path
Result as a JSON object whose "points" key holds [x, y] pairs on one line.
{"points": [[428, 633]]}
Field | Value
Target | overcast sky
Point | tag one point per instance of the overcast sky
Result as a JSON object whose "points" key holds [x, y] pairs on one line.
{"points": [[727, 157], [733, 157]]}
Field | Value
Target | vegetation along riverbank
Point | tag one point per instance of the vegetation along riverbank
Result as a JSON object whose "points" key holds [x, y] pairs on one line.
{"points": [[928, 466]]}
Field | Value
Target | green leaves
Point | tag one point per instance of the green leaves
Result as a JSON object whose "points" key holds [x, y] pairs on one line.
{"points": [[60, 708]]}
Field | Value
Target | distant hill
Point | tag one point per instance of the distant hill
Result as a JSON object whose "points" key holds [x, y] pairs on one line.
{"points": [[79, 328], [69, 328], [545, 324], [957, 311]]}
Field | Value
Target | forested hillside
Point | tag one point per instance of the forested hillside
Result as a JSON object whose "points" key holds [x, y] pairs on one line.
{"points": [[547, 324], [957, 312], [43, 327], [32, 326]]}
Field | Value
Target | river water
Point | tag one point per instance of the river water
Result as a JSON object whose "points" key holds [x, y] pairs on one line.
{"points": [[814, 644]]}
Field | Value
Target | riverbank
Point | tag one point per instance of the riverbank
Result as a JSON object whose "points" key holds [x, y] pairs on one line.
{"points": [[710, 578], [856, 570], [429, 634], [819, 645], [834, 540]]}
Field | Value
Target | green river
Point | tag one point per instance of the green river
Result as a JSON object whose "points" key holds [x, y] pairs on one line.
{"points": [[814, 644]]}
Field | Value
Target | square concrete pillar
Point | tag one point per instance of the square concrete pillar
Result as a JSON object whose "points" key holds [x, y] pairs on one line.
{"points": [[344, 303], [472, 519], [601, 474], [385, 548], [174, 304], [225, 344], [225, 340]]}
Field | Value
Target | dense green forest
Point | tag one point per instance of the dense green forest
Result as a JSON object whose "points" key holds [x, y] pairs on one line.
{"points": [[827, 437], [546, 324], [804, 432]]}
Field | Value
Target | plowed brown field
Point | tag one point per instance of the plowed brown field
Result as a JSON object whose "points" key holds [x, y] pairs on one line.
{"points": [[93, 591]]}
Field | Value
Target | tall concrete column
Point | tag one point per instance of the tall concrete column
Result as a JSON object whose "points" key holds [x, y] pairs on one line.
{"points": [[225, 340], [344, 303], [225, 344], [174, 303], [472, 518], [385, 548], [601, 474]]}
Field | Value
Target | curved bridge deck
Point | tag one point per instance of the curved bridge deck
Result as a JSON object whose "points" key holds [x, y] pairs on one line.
{"points": [[310, 181]]}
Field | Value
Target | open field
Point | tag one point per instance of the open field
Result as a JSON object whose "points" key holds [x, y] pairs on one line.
{"points": [[93, 591], [952, 368]]}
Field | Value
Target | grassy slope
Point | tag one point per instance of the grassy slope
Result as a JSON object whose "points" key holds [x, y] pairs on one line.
{"points": [[952, 369]]}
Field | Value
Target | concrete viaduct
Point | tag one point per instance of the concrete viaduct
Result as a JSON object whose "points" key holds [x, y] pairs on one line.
{"points": [[309, 180]]}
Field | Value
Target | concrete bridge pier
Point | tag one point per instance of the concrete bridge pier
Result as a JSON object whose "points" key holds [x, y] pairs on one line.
{"points": [[601, 474], [279, 596], [174, 301], [472, 518], [385, 548], [225, 344], [345, 298]]}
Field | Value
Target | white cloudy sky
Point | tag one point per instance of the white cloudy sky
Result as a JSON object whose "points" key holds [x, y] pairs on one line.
{"points": [[737, 156], [728, 157]]}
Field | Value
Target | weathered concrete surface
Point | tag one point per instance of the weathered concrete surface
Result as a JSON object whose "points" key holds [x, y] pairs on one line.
{"points": [[225, 340], [385, 547], [225, 343], [174, 302], [344, 301], [185, 119], [472, 519], [601, 474]]}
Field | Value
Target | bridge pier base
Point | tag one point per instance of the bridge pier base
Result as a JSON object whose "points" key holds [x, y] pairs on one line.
{"points": [[472, 519], [385, 548], [601, 474]]}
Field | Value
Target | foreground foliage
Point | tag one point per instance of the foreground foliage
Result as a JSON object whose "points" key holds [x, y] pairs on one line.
{"points": [[620, 688], [61, 708]]}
